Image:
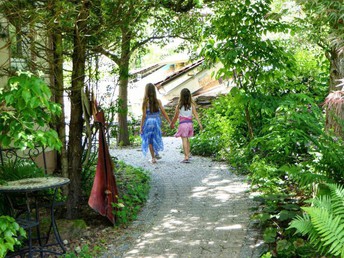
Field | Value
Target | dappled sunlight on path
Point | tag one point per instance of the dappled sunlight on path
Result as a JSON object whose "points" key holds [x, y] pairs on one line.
{"points": [[199, 209]]}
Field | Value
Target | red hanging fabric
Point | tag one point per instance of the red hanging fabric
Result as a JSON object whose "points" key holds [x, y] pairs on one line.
{"points": [[104, 190]]}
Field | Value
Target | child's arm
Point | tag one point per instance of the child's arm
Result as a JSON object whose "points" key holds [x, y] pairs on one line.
{"points": [[143, 117], [194, 112], [175, 117], [164, 112]]}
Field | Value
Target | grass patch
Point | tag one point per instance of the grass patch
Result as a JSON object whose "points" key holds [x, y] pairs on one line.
{"points": [[133, 188]]}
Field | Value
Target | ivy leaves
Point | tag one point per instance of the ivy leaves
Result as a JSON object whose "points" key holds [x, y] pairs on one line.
{"points": [[26, 111]]}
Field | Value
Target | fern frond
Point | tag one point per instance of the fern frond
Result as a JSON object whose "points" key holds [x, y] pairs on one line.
{"points": [[323, 201], [337, 195], [309, 178], [326, 225], [302, 224]]}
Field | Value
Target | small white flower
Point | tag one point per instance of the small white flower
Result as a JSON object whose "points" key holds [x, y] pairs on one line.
{"points": [[40, 74], [77, 249], [19, 72], [14, 86], [121, 205], [28, 73], [5, 117]]}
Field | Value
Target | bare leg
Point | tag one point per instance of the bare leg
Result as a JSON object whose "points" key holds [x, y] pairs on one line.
{"points": [[151, 150], [188, 147], [185, 147]]}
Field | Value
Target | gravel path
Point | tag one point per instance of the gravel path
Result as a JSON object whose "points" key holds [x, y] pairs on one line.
{"points": [[200, 209]]}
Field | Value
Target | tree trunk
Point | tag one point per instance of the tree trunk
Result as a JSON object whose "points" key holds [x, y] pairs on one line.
{"points": [[249, 123], [336, 68], [76, 122], [334, 106], [333, 102], [62, 158], [123, 132]]}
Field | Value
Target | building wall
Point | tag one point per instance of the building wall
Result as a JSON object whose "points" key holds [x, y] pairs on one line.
{"points": [[4, 52], [193, 80], [5, 63]]}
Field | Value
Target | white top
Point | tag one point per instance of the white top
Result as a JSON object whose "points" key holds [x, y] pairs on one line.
{"points": [[185, 113]]}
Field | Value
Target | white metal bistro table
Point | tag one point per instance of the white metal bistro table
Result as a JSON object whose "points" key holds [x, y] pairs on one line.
{"points": [[28, 215]]}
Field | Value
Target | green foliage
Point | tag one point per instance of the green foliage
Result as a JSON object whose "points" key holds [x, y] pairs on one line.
{"points": [[269, 235], [266, 255], [133, 187], [328, 156], [276, 212], [88, 172], [11, 234], [323, 222], [113, 128], [85, 252], [26, 112], [265, 176], [284, 139], [21, 169], [237, 39], [11, 171], [325, 21], [208, 142]]}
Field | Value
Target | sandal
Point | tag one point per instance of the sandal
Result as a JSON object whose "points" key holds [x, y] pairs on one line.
{"points": [[153, 161], [185, 161]]}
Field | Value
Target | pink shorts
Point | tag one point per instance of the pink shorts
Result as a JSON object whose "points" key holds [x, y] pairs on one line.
{"points": [[185, 128]]}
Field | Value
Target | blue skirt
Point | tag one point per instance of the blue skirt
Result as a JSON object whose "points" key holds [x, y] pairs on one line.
{"points": [[151, 133]]}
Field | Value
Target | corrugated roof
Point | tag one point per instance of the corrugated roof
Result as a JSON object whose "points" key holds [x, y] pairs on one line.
{"points": [[178, 73]]}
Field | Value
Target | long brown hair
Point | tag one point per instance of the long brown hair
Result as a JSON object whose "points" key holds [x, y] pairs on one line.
{"points": [[150, 98], [185, 99]]}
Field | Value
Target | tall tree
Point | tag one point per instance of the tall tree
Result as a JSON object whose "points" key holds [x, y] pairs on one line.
{"points": [[131, 25], [237, 37], [76, 123], [51, 20], [326, 21], [57, 77], [118, 29], [326, 26]]}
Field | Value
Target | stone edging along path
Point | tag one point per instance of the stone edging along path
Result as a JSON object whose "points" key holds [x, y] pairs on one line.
{"points": [[199, 209]]}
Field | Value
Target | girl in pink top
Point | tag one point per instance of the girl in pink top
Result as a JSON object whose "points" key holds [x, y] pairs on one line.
{"points": [[185, 111]]}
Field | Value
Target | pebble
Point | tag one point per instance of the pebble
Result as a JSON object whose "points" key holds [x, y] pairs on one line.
{"points": [[199, 209]]}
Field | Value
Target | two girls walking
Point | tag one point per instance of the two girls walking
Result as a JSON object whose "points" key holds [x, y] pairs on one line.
{"points": [[150, 128]]}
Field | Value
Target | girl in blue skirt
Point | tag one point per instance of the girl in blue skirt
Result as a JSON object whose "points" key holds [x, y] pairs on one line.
{"points": [[150, 128]]}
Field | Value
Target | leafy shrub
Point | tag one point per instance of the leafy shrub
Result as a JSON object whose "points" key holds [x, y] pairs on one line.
{"points": [[20, 169], [206, 144], [285, 137], [133, 188], [328, 157], [27, 113], [11, 234], [84, 252], [213, 140], [277, 211]]}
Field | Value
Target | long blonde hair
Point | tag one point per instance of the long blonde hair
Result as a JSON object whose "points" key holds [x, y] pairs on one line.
{"points": [[185, 99], [150, 98]]}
